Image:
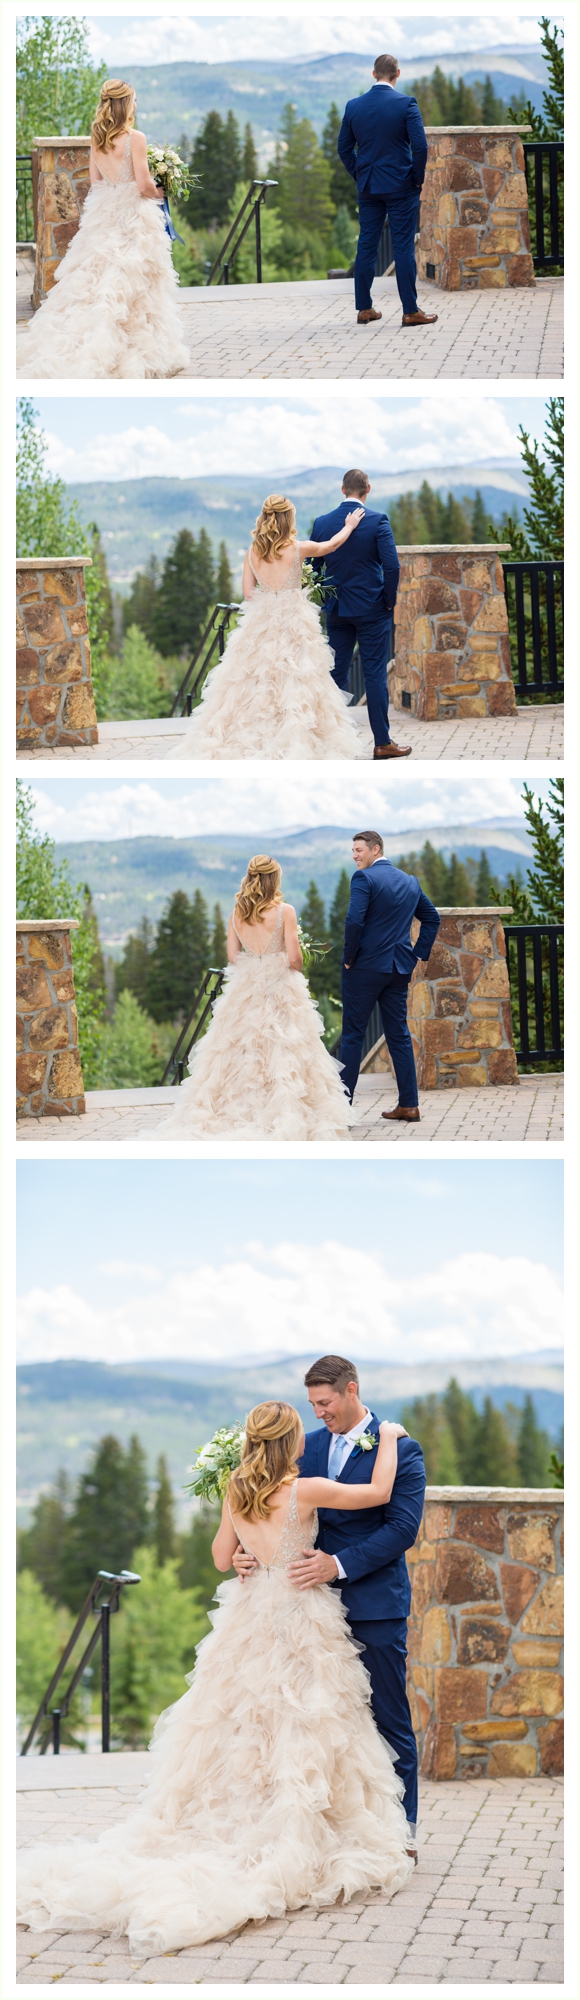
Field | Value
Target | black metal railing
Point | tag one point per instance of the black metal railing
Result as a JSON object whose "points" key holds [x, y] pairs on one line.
{"points": [[194, 1026], [193, 679], [384, 252], [544, 162], [356, 679], [53, 1718], [374, 1033], [248, 213], [535, 957], [535, 607], [25, 198]]}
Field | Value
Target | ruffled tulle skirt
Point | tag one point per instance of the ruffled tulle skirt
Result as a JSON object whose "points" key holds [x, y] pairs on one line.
{"points": [[271, 695], [271, 1789], [113, 311], [261, 1071]]}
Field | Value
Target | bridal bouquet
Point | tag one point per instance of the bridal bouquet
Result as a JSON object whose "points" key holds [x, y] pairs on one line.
{"points": [[169, 171], [215, 1461], [319, 588], [313, 949]]}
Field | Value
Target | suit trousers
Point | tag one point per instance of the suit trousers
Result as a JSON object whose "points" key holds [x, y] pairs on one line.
{"points": [[363, 989], [403, 214], [385, 1659], [373, 642]]}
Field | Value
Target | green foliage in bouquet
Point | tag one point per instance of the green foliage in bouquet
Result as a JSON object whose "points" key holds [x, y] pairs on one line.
{"points": [[313, 949], [169, 171], [318, 585], [215, 1462]]}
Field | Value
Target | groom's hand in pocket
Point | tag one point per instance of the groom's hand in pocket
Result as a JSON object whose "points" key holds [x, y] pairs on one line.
{"points": [[243, 1563], [312, 1568]]}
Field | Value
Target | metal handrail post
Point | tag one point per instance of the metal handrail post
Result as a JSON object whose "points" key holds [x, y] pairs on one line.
{"points": [[105, 1677]]}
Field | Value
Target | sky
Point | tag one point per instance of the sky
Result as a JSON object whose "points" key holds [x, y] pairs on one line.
{"points": [[252, 800], [158, 37], [183, 438], [224, 1261]]}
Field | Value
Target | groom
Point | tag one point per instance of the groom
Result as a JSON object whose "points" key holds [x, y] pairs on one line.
{"points": [[378, 964], [382, 144], [365, 573]]}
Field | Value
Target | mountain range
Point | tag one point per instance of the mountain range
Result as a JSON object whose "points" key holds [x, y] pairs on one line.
{"points": [[138, 518], [133, 878], [174, 98], [64, 1407]]}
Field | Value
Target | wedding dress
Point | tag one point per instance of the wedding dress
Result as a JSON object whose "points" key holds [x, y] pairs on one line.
{"points": [[261, 1071], [271, 695], [113, 309], [271, 1787]]}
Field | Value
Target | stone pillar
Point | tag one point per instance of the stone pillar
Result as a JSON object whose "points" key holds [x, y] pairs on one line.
{"points": [[459, 1008], [63, 186], [49, 1080], [485, 1676], [55, 704], [475, 232], [452, 649]]}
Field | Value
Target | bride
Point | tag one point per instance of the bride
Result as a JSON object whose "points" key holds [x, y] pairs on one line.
{"points": [[261, 1071], [272, 695], [271, 1787], [113, 310]]}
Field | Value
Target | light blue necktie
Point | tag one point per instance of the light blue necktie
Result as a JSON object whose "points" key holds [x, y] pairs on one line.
{"points": [[339, 1451]]}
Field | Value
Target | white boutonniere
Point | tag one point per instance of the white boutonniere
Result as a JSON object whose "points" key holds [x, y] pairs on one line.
{"points": [[367, 1442]]}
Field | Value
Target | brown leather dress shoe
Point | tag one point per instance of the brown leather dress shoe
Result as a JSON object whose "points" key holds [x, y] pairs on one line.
{"points": [[364, 317], [409, 1113], [419, 319], [382, 750]]}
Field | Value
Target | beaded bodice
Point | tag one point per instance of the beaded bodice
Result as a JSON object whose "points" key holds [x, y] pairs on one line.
{"points": [[291, 581], [125, 172], [275, 939], [291, 1543]]}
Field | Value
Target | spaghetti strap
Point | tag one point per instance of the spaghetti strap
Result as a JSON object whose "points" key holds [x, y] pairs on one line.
{"points": [[236, 930], [256, 578]]}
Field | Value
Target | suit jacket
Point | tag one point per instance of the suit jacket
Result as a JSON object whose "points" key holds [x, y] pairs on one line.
{"points": [[370, 1543], [382, 142], [383, 901], [365, 569]]}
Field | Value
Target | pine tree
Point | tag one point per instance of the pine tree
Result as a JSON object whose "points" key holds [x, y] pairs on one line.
{"points": [[224, 583], [458, 890], [108, 1520], [542, 897], [548, 123], [342, 186], [40, 1546], [132, 969], [336, 922], [218, 949], [542, 534], [492, 110], [313, 920], [533, 1448], [139, 606], [163, 1515], [196, 1564], [249, 160], [462, 1421], [483, 881], [185, 594], [179, 958], [478, 514], [494, 1452], [216, 157], [303, 175]]}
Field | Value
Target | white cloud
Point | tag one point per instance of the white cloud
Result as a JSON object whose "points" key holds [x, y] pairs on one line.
{"points": [[303, 31], [252, 801], [118, 1268], [474, 1305], [288, 436]]}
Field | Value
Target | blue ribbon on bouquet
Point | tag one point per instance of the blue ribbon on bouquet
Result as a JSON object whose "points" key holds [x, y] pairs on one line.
{"points": [[170, 231]]}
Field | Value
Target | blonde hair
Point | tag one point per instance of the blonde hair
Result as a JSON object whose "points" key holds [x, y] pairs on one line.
{"points": [[273, 1437], [115, 113], [260, 888], [275, 527]]}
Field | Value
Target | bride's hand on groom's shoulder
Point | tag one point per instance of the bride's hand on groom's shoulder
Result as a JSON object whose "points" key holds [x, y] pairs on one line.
{"points": [[398, 1430]]}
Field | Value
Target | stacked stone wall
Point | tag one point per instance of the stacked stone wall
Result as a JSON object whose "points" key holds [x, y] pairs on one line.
{"points": [[49, 1080], [485, 1668], [452, 648], [475, 231], [63, 186], [55, 703], [459, 1008]]}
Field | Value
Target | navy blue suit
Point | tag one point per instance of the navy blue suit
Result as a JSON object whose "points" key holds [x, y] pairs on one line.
{"points": [[370, 1546], [365, 572], [381, 960], [383, 146]]}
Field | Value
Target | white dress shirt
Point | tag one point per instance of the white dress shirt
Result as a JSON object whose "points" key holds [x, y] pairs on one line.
{"points": [[341, 1446]]}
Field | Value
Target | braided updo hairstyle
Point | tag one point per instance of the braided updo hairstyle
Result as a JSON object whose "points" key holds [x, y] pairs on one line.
{"points": [[274, 1433], [115, 113], [259, 889], [275, 527]]}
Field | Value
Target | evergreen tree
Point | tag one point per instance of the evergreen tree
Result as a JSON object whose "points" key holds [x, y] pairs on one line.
{"points": [[224, 583], [249, 160], [139, 606], [131, 1057], [40, 1546], [133, 969], [163, 1515], [136, 683], [342, 186], [492, 108], [109, 1519], [494, 1452], [344, 237], [196, 1564], [336, 922], [548, 123], [185, 594], [303, 175], [484, 881], [462, 1421], [216, 157], [479, 530], [543, 531], [218, 949], [313, 920], [153, 1645], [532, 1448], [179, 958], [541, 900]]}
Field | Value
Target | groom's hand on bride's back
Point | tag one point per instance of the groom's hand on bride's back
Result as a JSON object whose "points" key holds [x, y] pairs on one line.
{"points": [[312, 1567], [243, 1563]]}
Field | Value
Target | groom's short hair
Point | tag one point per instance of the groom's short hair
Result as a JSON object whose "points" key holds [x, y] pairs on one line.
{"points": [[333, 1369], [371, 840], [386, 66], [356, 482]]}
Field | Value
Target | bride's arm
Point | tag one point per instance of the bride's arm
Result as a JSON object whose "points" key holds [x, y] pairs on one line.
{"points": [[224, 1546], [326, 548], [249, 584], [95, 174], [291, 939], [332, 1492], [234, 946], [145, 183]]}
